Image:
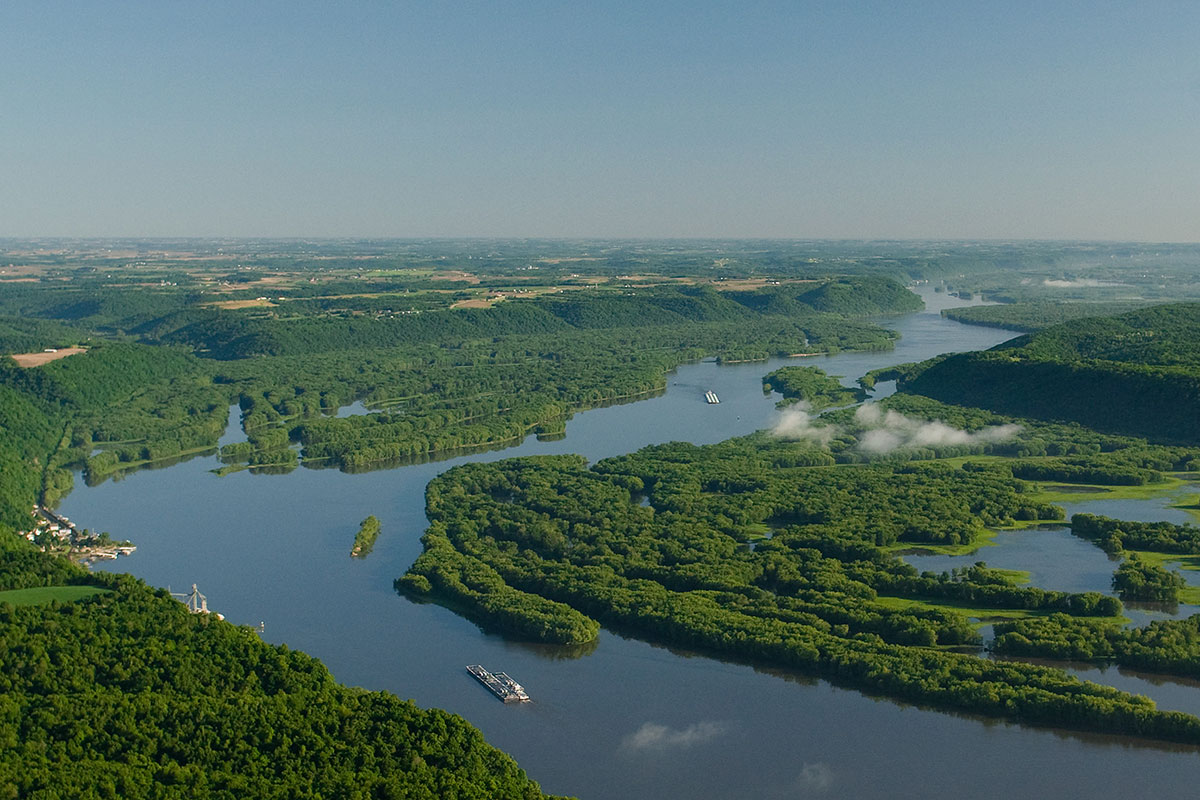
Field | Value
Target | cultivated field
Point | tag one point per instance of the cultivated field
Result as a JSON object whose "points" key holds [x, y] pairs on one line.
{"points": [[37, 359]]}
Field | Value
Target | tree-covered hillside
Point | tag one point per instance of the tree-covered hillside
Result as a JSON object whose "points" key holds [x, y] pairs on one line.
{"points": [[127, 694], [1164, 335], [1137, 373], [1038, 315]]}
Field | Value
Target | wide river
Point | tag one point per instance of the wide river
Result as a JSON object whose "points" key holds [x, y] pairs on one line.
{"points": [[623, 719]]}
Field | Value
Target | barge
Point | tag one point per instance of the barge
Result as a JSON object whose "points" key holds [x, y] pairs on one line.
{"points": [[499, 684], [711, 397]]}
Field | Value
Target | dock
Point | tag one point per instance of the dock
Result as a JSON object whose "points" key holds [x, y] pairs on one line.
{"points": [[499, 684]]}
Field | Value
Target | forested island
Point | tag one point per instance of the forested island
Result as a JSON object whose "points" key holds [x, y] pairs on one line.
{"points": [[774, 551], [364, 540], [779, 548], [812, 386]]}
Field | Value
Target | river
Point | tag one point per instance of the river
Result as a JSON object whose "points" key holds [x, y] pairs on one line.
{"points": [[624, 719]]}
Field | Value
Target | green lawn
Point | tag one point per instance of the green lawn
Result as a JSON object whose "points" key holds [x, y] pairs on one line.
{"points": [[45, 594], [984, 616], [1170, 484], [985, 539]]}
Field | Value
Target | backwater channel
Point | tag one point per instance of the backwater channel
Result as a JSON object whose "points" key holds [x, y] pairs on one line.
{"points": [[622, 718]]}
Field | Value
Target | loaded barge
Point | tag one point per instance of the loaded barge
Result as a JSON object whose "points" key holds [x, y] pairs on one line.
{"points": [[500, 684], [711, 397]]}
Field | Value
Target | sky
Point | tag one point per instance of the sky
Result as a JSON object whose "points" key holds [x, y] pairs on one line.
{"points": [[909, 120]]}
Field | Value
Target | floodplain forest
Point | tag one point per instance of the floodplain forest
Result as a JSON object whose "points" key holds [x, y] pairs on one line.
{"points": [[781, 551]]}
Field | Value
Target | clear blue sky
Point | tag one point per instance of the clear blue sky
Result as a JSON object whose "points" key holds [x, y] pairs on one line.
{"points": [[791, 119]]}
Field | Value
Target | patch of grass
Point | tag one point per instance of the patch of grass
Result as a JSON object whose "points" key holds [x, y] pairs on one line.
{"points": [[1022, 524], [982, 616], [40, 595], [1169, 485], [1014, 576], [985, 539], [757, 531], [1190, 504]]}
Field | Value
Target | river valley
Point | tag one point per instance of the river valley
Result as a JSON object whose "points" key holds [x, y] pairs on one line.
{"points": [[622, 718]]}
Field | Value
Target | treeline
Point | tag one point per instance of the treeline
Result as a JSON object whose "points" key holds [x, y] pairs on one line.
{"points": [[1033, 450], [22, 335], [992, 595], [1166, 646], [126, 404], [475, 588], [229, 336], [106, 373], [1117, 535], [232, 335], [28, 435], [1161, 335], [387, 313], [1159, 403], [88, 304], [1084, 470]]}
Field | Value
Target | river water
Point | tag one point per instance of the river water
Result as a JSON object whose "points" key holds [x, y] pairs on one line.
{"points": [[622, 719]]}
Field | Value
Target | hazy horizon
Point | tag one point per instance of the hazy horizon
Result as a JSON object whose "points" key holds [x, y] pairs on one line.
{"points": [[935, 121]]}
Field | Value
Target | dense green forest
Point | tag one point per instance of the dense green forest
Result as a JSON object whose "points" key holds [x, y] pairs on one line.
{"points": [[1138, 580], [127, 694], [1037, 315], [774, 548], [1136, 373], [812, 386], [759, 549], [1115, 536], [91, 710], [1170, 647], [443, 380], [439, 393]]}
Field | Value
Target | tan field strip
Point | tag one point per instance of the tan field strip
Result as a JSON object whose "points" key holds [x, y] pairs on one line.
{"points": [[37, 359]]}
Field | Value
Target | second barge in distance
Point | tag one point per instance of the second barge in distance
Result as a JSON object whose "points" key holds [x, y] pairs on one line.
{"points": [[500, 684], [711, 397]]}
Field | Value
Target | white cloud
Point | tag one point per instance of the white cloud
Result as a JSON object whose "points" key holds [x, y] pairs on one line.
{"points": [[816, 777], [652, 736], [797, 422], [890, 431], [1078, 283]]}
